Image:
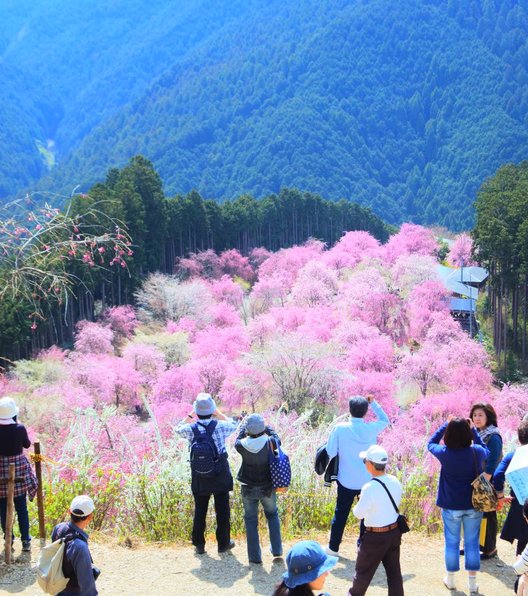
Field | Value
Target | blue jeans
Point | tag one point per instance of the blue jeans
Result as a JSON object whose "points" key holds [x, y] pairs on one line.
{"points": [[251, 497], [345, 498], [22, 514], [454, 520]]}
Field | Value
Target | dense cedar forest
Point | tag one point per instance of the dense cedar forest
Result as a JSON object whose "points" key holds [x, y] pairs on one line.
{"points": [[165, 229], [501, 237], [404, 107]]}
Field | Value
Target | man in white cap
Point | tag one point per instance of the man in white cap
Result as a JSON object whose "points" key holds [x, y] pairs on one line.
{"points": [[381, 540], [210, 473], [77, 564]]}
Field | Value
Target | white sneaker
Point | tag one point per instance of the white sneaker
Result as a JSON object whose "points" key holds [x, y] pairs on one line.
{"points": [[474, 591], [449, 582], [331, 552]]}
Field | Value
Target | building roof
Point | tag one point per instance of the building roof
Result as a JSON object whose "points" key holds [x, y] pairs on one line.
{"points": [[462, 305], [458, 281]]}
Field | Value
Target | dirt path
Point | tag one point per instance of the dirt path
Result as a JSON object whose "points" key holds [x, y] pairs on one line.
{"points": [[148, 570]]}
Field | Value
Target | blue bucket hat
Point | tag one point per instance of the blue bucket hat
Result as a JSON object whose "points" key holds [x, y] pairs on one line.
{"points": [[306, 562], [204, 405]]}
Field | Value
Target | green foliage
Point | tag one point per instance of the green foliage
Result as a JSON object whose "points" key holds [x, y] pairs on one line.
{"points": [[58, 494], [175, 346], [501, 245], [402, 106]]}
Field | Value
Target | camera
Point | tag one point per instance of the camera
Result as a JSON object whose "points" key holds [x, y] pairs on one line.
{"points": [[96, 572]]}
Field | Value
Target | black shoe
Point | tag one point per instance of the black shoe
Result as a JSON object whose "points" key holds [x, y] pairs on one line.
{"points": [[26, 546], [486, 556], [228, 547], [199, 550], [256, 562]]}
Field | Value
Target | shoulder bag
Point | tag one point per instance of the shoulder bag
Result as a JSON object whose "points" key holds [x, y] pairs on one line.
{"points": [[280, 469], [484, 497], [403, 523]]}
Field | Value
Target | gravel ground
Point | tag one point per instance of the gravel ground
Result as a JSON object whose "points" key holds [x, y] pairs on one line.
{"points": [[146, 569]]}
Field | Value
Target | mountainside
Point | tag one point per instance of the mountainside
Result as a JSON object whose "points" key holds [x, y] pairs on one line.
{"points": [[403, 107]]}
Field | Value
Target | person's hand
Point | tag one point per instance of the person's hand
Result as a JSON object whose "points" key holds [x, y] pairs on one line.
{"points": [[450, 417], [370, 398], [500, 503], [503, 501]]}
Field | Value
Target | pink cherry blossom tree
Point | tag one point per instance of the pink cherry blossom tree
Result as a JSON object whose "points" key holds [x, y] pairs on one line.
{"points": [[93, 338], [461, 252], [411, 239]]}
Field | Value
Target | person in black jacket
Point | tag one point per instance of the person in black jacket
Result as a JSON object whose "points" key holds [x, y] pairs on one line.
{"points": [[254, 444]]}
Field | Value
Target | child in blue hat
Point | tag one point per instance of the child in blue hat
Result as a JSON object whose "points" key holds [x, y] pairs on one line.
{"points": [[308, 566]]}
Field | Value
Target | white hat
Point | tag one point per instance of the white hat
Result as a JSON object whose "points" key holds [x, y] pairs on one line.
{"points": [[8, 408], [375, 454], [204, 404], [82, 506]]}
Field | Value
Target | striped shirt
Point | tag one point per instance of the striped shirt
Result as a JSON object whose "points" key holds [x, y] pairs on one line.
{"points": [[521, 565]]}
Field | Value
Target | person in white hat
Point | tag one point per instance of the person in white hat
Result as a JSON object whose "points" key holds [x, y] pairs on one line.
{"points": [[13, 440], [380, 543], [207, 429], [77, 564]]}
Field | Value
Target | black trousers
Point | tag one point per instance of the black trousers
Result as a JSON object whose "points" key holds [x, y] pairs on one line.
{"points": [[490, 537], [376, 548], [345, 498], [223, 513]]}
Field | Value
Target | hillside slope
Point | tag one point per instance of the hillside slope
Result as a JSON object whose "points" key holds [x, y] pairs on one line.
{"points": [[404, 107]]}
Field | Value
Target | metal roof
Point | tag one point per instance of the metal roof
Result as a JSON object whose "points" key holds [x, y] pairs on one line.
{"points": [[462, 305]]}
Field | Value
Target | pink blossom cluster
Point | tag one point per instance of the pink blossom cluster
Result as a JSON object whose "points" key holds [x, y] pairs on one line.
{"points": [[317, 326]]}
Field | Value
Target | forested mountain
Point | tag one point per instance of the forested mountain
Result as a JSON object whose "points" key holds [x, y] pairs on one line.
{"points": [[404, 107]]}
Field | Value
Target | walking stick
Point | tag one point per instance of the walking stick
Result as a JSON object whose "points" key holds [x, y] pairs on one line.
{"points": [[40, 499], [9, 514]]}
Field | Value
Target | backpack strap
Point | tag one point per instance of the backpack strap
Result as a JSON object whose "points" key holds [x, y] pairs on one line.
{"points": [[388, 492], [67, 567], [209, 428]]}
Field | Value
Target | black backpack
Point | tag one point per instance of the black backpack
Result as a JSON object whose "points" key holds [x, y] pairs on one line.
{"points": [[204, 454]]}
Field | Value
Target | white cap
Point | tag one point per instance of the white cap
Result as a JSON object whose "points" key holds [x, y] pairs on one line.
{"points": [[375, 454], [8, 408], [82, 506]]}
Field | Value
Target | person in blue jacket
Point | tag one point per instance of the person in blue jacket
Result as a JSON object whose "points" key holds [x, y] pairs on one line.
{"points": [[484, 418], [515, 528], [459, 460], [77, 564]]}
